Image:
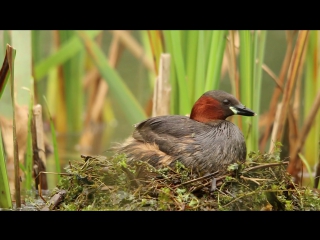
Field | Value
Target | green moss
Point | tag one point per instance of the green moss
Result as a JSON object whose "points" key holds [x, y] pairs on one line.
{"points": [[261, 183]]}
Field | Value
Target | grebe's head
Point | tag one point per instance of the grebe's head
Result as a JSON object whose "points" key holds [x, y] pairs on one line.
{"points": [[217, 104]]}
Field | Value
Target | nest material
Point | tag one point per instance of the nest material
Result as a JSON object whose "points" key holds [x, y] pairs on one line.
{"points": [[101, 183]]}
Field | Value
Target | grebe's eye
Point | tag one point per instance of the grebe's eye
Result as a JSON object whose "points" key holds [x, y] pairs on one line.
{"points": [[226, 102]]}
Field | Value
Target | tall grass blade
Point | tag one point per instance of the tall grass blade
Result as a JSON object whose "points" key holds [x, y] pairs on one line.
{"points": [[207, 45], [54, 142], [5, 195], [55, 92], [306, 163], [246, 81], [73, 69], [23, 86], [29, 151], [200, 67], [177, 58], [147, 49], [4, 40], [174, 103], [259, 49], [66, 51], [4, 75], [132, 109], [312, 86], [11, 55], [155, 40], [4, 71], [217, 48], [21, 40], [192, 38]]}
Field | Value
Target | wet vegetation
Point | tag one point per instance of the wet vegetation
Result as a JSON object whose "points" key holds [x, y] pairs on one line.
{"points": [[262, 183]]}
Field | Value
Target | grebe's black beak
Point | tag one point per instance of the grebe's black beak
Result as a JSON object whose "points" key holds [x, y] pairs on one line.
{"points": [[242, 110]]}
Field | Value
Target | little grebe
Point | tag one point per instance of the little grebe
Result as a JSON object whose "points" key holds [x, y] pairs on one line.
{"points": [[205, 141]]}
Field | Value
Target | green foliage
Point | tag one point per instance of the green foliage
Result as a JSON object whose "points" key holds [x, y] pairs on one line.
{"points": [[305, 162], [195, 65], [54, 142], [66, 51], [29, 151], [251, 57], [260, 183], [5, 196], [133, 110], [311, 89]]}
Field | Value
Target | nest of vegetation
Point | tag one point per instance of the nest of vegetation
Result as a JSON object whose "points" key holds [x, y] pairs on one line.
{"points": [[101, 183]]}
